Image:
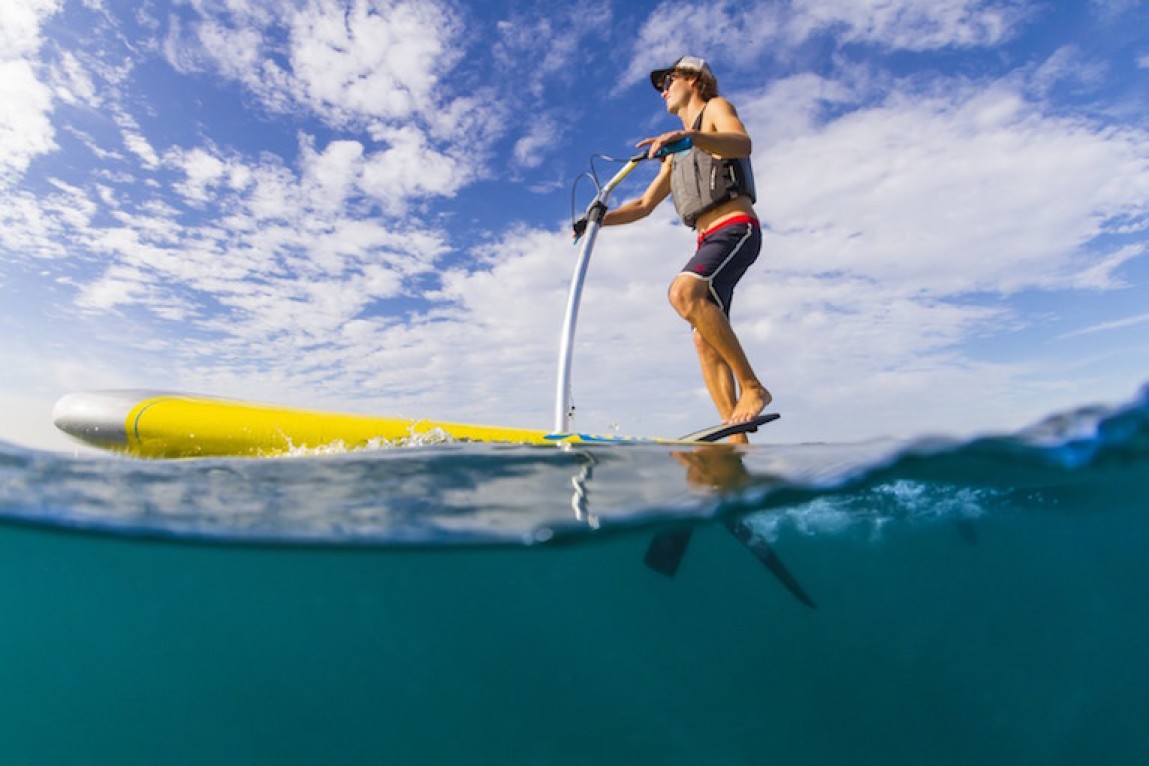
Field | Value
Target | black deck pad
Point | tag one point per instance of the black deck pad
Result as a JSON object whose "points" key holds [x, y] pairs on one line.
{"points": [[722, 430]]}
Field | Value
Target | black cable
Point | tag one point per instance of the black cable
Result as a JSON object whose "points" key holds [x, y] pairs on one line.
{"points": [[592, 174]]}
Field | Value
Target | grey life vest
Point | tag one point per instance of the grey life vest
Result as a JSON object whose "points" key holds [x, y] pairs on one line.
{"points": [[699, 182]]}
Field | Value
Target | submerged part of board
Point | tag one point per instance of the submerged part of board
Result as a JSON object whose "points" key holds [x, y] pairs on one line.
{"points": [[172, 425], [667, 548]]}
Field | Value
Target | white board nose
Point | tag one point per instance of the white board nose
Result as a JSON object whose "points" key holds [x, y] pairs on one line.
{"points": [[97, 417]]}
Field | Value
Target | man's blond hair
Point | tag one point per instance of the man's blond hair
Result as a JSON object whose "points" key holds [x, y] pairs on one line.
{"points": [[705, 81]]}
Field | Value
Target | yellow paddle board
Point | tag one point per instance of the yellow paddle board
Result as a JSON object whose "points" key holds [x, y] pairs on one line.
{"points": [[172, 425]]}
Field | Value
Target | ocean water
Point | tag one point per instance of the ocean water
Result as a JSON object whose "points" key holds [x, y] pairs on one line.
{"points": [[929, 602]]}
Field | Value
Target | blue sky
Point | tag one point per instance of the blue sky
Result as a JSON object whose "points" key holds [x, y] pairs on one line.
{"points": [[365, 206]]}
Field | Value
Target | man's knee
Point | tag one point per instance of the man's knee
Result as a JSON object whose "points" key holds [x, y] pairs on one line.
{"points": [[686, 294]]}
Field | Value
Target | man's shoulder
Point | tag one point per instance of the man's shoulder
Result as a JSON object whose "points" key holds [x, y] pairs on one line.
{"points": [[720, 105]]}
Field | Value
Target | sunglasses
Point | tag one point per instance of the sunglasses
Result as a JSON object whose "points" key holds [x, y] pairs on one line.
{"points": [[667, 79]]}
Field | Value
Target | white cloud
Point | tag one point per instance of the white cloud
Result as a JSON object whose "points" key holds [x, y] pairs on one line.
{"points": [[529, 150], [72, 82], [25, 127], [332, 176], [20, 22], [536, 52], [792, 107], [25, 102], [31, 225], [136, 142], [975, 190], [285, 260], [1067, 65], [378, 59], [410, 168], [1117, 324], [677, 27], [1111, 9], [348, 63], [375, 66], [203, 170], [910, 24]]}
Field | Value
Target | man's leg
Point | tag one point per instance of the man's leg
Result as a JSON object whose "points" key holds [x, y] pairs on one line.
{"points": [[691, 299], [719, 382]]}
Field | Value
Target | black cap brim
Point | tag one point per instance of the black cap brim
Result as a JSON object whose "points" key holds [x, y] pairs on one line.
{"points": [[657, 76]]}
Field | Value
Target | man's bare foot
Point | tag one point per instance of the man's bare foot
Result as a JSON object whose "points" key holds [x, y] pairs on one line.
{"points": [[750, 404]]}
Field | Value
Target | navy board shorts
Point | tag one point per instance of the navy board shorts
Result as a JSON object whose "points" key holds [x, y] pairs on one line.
{"points": [[723, 255]]}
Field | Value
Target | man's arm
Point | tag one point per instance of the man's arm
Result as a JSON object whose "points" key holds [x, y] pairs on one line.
{"points": [[722, 135], [634, 209]]}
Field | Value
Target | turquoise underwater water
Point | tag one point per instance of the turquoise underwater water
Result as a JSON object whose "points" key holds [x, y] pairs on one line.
{"points": [[981, 601]]}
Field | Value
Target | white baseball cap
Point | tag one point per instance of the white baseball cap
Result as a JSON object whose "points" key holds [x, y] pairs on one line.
{"points": [[684, 64]]}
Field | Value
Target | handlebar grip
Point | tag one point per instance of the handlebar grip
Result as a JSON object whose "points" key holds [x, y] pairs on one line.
{"points": [[680, 145]]}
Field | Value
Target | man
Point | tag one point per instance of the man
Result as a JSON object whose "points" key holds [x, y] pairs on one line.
{"points": [[713, 191]]}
